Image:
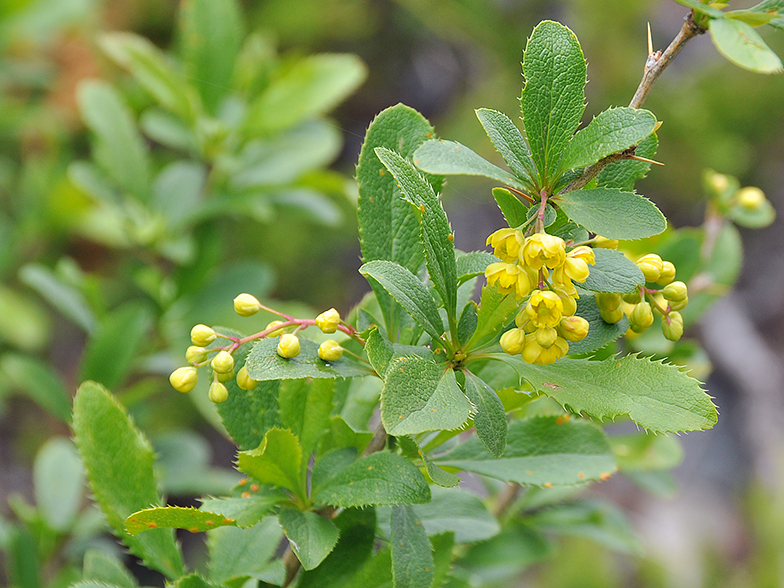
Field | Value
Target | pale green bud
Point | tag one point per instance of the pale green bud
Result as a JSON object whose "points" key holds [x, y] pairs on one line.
{"points": [[330, 350], [608, 301], [573, 328], [244, 381], [611, 316], [632, 297], [223, 363], [184, 379], [512, 341], [274, 324], [605, 243], [545, 337], [672, 328], [225, 377], [328, 321], [667, 274], [679, 304], [675, 292], [641, 317], [651, 266], [288, 346], [218, 393], [246, 305], [202, 335], [195, 354]]}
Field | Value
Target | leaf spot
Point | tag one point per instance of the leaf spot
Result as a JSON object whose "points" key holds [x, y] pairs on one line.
{"points": [[605, 475], [551, 386], [245, 495], [547, 485], [254, 488], [193, 530], [580, 475], [152, 525]]}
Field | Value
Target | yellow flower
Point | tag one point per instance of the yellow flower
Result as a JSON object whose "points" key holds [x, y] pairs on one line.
{"points": [[536, 354], [506, 244], [604, 242], [544, 308], [651, 266], [510, 277], [541, 249], [218, 393], [564, 282], [222, 363], [246, 305], [577, 261]]}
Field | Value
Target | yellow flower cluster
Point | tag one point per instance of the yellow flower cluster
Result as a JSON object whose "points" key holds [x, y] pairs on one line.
{"points": [[539, 265]]}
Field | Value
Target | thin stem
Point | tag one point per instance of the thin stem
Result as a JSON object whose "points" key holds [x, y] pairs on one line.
{"points": [[506, 499]]}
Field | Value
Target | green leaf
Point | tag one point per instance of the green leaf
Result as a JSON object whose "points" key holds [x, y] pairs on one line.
{"points": [[311, 87], [489, 415], [474, 264], [420, 395], [436, 234], [305, 406], [246, 511], [466, 326], [211, 33], [175, 517], [410, 448], [514, 211], [612, 213], [178, 192], [743, 46], [766, 12], [553, 97], [509, 142], [103, 431], [700, 6], [24, 323], [381, 478], [600, 333], [450, 158], [106, 568], [609, 132], [409, 292], [58, 481], [149, 66], [194, 581], [613, 272], [168, 130], [112, 347], [264, 363], [376, 573], [39, 382], [657, 396], [540, 451], [381, 352], [311, 536], [443, 555], [277, 461], [460, 512], [761, 216], [644, 452], [241, 553], [64, 297], [412, 556], [623, 174], [117, 145], [495, 310], [329, 464]]}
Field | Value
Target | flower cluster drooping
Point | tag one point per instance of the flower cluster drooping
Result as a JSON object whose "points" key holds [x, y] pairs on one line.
{"points": [[221, 358], [540, 268], [641, 304]]}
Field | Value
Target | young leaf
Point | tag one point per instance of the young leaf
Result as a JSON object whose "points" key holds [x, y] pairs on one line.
{"points": [[248, 416], [241, 553], [495, 309], [58, 481], [212, 31], [103, 432], [469, 319], [305, 406], [420, 395], [743, 46], [612, 213], [194, 581], [766, 12], [489, 414], [450, 158], [175, 517], [540, 451], [412, 557], [436, 474], [277, 461], [613, 272], [437, 237], [106, 568], [460, 512], [509, 142], [64, 297], [265, 364], [246, 511], [553, 98], [329, 464], [311, 536], [609, 132], [600, 333], [381, 478], [657, 396], [409, 292], [39, 381], [514, 211], [623, 174], [443, 554]]}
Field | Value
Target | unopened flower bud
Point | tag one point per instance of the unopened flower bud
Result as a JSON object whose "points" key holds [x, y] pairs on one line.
{"points": [[569, 303], [218, 393], [718, 183], [223, 363], [641, 317], [675, 292], [667, 274], [679, 304], [573, 328], [330, 350], [605, 243], [750, 198], [632, 297], [225, 377], [274, 324], [512, 341], [246, 305], [202, 335], [328, 321], [244, 381], [672, 326], [608, 301], [184, 379], [195, 354], [288, 346], [611, 316], [651, 266], [545, 336]]}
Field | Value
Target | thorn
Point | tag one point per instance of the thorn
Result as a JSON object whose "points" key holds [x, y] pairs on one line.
{"points": [[645, 159], [650, 41]]}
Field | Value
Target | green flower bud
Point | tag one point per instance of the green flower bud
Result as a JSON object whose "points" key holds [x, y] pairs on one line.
{"points": [[672, 326], [632, 297], [545, 337], [512, 341], [274, 324], [675, 292], [573, 328], [184, 379], [608, 301], [223, 363], [718, 183], [246, 305], [750, 198], [605, 243], [679, 304], [195, 354], [330, 350], [328, 321], [667, 274], [225, 377], [288, 346], [202, 335], [218, 393], [244, 381], [611, 316], [651, 266], [641, 317]]}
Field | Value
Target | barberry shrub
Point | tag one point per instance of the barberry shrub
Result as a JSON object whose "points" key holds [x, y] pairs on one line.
{"points": [[354, 446]]}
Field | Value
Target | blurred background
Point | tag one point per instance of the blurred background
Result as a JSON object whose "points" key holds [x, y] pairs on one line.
{"points": [[226, 198]]}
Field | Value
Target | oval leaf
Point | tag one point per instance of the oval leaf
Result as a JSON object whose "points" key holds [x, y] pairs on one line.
{"points": [[175, 517]]}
